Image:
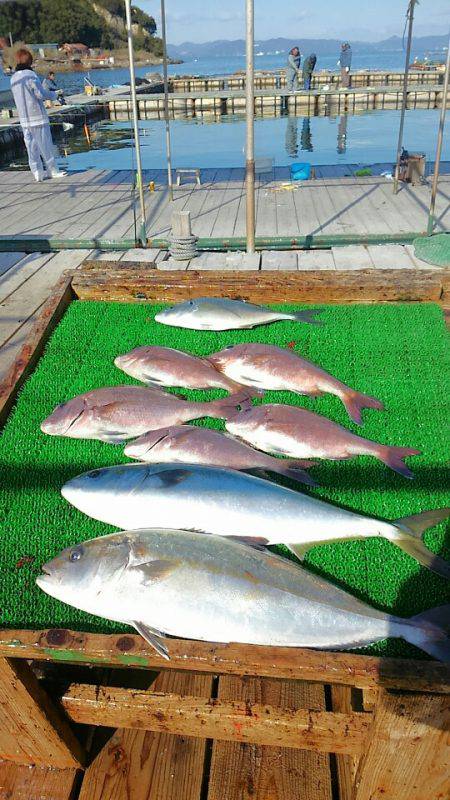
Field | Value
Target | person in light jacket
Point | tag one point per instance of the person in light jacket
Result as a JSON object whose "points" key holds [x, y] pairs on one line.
{"points": [[293, 69], [29, 96], [345, 63], [308, 69]]}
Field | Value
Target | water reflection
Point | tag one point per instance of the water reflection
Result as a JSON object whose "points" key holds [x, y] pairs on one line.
{"points": [[342, 135], [306, 137], [292, 137]]}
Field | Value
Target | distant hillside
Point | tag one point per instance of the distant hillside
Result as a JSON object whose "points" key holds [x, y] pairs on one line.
{"points": [[322, 47], [96, 23]]}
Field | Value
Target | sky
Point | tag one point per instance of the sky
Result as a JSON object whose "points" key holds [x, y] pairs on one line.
{"points": [[365, 20]]}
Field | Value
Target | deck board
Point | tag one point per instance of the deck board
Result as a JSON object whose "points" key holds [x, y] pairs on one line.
{"points": [[100, 204], [19, 782], [143, 765], [247, 771]]}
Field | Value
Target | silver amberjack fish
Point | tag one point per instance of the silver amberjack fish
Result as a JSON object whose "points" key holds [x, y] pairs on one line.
{"points": [[217, 590], [222, 314], [231, 503]]}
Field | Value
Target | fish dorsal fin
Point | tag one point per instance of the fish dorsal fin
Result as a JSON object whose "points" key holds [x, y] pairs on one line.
{"points": [[257, 542], [153, 637], [151, 571]]}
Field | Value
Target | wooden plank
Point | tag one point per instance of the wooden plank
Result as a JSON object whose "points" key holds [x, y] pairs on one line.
{"points": [[312, 260], [279, 259], [32, 349], [7, 260], [352, 257], [346, 765], [316, 286], [268, 772], [389, 256], [32, 730], [143, 765], [21, 272], [407, 755], [294, 663], [19, 306], [256, 723], [18, 782]]}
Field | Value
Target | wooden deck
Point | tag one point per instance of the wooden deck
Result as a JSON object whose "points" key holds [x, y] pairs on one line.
{"points": [[99, 204]]}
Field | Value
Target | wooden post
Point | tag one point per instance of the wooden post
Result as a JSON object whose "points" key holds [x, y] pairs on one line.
{"points": [[32, 729], [407, 756], [181, 225], [346, 765]]}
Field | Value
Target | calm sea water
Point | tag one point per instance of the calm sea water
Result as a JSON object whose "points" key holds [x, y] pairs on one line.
{"points": [[73, 82], [367, 139]]}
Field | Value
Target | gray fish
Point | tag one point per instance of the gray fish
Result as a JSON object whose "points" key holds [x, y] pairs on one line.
{"points": [[231, 503], [165, 366], [222, 314], [266, 366], [118, 413], [216, 590], [193, 445], [299, 433]]}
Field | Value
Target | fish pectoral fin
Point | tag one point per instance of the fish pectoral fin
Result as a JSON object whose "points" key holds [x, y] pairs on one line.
{"points": [[113, 438], [153, 637], [257, 542], [299, 550], [151, 571]]}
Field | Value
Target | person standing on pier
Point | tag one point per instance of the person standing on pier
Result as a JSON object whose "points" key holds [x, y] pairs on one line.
{"points": [[293, 69], [308, 69], [29, 95], [345, 63]]}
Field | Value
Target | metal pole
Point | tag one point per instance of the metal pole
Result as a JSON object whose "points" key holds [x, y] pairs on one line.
{"points": [[166, 100], [434, 188], [410, 18], [140, 183], [250, 137]]}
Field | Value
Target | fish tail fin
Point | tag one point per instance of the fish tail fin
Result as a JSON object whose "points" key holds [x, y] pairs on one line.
{"points": [[430, 631], [393, 458], [308, 316], [295, 470], [409, 539], [354, 402], [228, 407]]}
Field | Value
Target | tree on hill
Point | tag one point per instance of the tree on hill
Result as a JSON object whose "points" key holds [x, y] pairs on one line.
{"points": [[73, 21]]}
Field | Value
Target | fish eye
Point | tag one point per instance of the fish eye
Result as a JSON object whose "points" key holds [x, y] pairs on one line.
{"points": [[76, 554], [96, 473], [191, 302]]}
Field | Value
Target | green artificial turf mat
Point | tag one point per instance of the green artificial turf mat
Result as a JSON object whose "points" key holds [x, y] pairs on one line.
{"points": [[397, 353]]}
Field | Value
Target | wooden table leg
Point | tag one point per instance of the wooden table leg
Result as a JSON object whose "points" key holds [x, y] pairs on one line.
{"points": [[407, 755], [32, 729]]}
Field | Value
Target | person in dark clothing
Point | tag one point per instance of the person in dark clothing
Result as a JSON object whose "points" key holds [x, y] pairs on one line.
{"points": [[293, 69], [308, 69], [49, 82], [345, 63]]}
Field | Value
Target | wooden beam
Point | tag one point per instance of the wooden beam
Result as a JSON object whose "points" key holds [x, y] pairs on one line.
{"points": [[130, 650], [103, 281], [32, 729], [346, 765], [18, 782], [28, 357], [253, 771], [139, 765], [407, 755], [211, 718]]}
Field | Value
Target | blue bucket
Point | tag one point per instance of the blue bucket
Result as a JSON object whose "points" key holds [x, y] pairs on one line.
{"points": [[300, 171]]}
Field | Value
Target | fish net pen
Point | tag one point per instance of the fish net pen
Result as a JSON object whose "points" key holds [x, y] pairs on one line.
{"points": [[393, 352]]}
